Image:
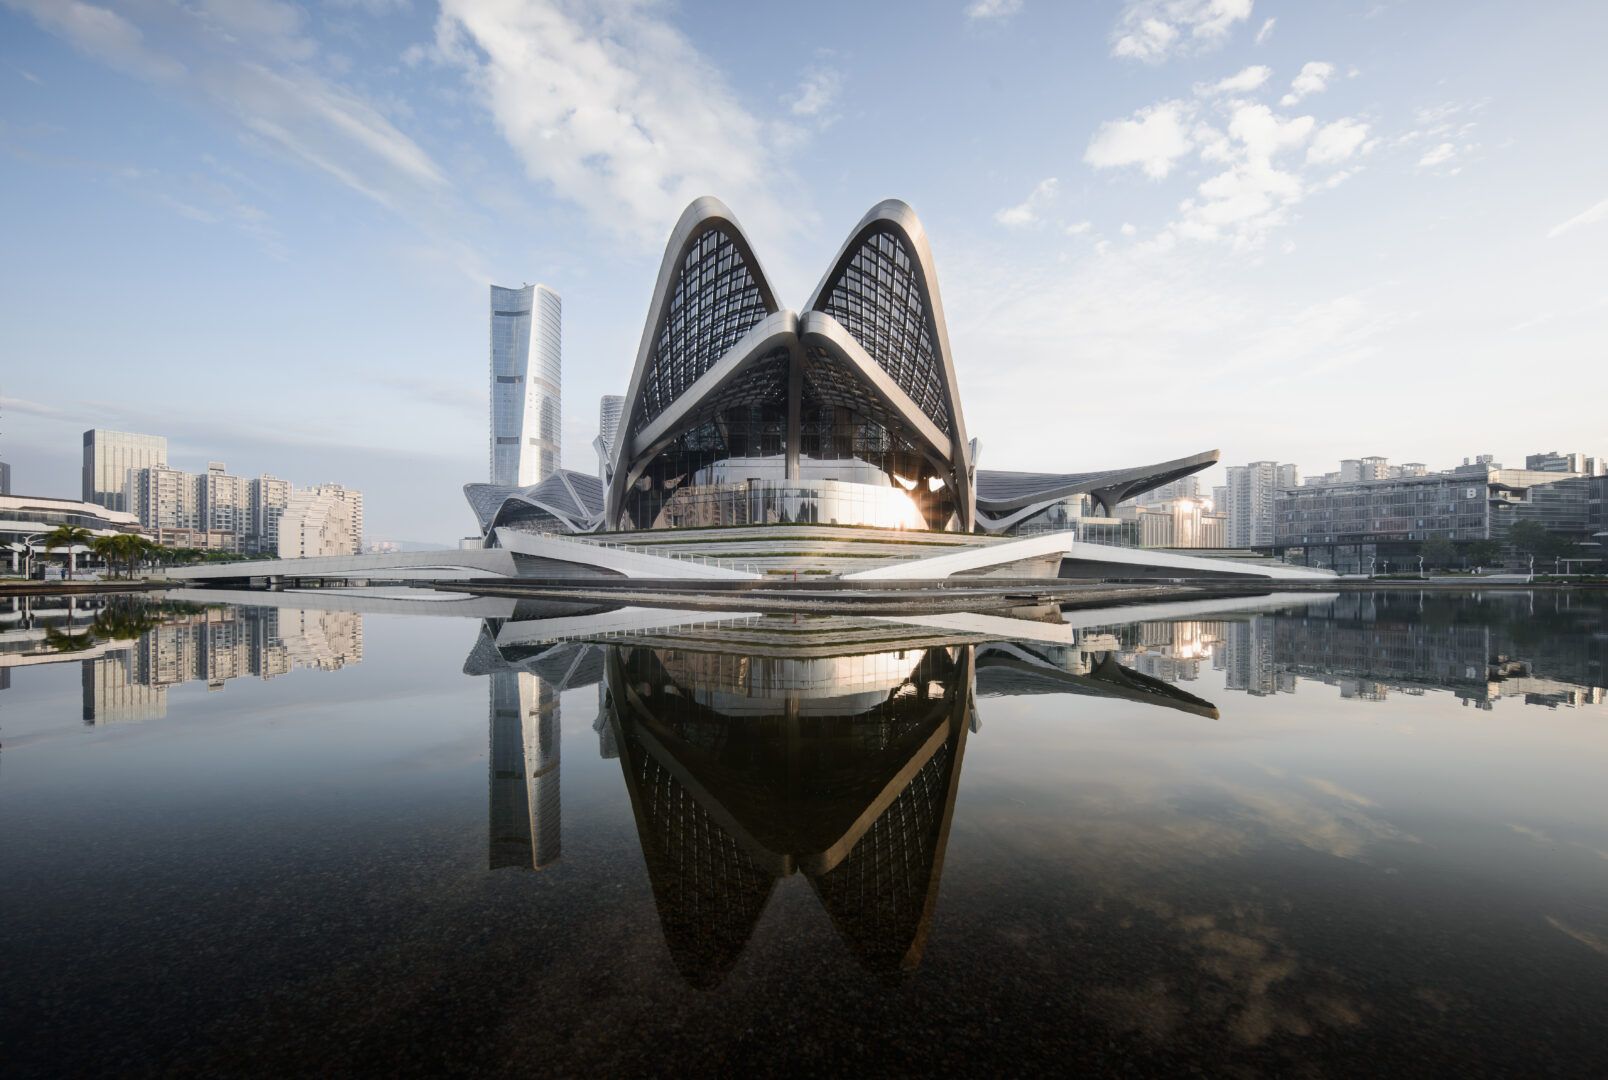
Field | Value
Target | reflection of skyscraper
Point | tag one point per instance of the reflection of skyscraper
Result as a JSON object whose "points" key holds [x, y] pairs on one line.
{"points": [[526, 384], [113, 696], [1247, 657], [525, 801]]}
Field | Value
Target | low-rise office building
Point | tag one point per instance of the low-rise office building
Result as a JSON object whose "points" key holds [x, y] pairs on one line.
{"points": [[24, 519], [1347, 523]]}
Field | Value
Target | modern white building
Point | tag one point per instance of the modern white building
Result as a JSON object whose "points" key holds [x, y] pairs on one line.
{"points": [[24, 519], [526, 384], [325, 519], [109, 455]]}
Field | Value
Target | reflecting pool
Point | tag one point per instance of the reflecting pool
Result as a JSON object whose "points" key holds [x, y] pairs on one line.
{"points": [[363, 832]]}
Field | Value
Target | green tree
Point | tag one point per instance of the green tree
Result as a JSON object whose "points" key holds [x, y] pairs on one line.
{"points": [[108, 549], [1483, 552], [1533, 538], [68, 537], [1438, 551]]}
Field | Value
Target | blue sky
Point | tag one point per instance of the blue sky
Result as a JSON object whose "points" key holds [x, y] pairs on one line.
{"points": [[1289, 230]]}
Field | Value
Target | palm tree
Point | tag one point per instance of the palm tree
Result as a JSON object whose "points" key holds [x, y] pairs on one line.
{"points": [[107, 548], [69, 537], [132, 549]]}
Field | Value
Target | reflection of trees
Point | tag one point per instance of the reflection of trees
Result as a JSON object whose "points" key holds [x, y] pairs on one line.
{"points": [[119, 619]]}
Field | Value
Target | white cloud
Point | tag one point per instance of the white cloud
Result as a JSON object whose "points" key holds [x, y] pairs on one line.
{"points": [[992, 9], [1155, 138], [1153, 30], [1030, 210], [1266, 32], [1336, 142], [1439, 154], [817, 93], [1589, 216], [1242, 82], [1128, 228], [251, 60], [1079, 228], [102, 34], [614, 109], [1313, 79]]}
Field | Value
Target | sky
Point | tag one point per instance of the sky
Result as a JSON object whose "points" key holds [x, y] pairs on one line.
{"points": [[1284, 230]]}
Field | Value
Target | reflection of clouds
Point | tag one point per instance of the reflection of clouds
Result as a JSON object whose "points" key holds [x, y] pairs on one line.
{"points": [[1591, 941], [1208, 962], [1334, 790], [1255, 987], [1345, 832], [1533, 834], [1551, 841]]}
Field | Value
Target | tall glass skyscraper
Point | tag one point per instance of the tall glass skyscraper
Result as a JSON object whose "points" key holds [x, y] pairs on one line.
{"points": [[526, 384], [109, 455], [608, 425]]}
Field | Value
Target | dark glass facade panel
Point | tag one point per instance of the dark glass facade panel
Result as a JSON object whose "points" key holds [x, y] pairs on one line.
{"points": [[715, 302], [880, 300]]}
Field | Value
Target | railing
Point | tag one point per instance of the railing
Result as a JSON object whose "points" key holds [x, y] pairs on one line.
{"points": [[638, 549], [609, 635]]}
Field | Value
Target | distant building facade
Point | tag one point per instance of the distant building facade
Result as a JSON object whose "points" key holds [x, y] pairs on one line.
{"points": [[1552, 461], [108, 457], [325, 519], [1183, 522], [5, 478], [526, 384], [1345, 523]]}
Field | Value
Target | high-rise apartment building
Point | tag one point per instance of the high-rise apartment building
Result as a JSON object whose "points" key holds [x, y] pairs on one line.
{"points": [[168, 504], [608, 427], [109, 455], [225, 507], [267, 496], [325, 519], [1248, 502], [526, 384]]}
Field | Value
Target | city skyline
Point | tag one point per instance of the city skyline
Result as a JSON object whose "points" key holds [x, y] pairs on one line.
{"points": [[1316, 232]]}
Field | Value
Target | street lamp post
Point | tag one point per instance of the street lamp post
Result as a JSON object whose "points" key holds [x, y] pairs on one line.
{"points": [[27, 554]]}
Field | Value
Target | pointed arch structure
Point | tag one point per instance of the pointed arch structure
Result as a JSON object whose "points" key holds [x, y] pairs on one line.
{"points": [[742, 412]]}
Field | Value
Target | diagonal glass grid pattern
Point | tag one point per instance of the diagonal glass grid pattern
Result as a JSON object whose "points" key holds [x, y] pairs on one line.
{"points": [[879, 300], [715, 302]]}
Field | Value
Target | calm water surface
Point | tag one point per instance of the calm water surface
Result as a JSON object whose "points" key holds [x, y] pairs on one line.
{"points": [[1365, 833]]}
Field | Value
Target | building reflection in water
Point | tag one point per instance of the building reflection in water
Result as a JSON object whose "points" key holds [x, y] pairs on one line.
{"points": [[525, 812], [760, 748], [131, 652], [1542, 648]]}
